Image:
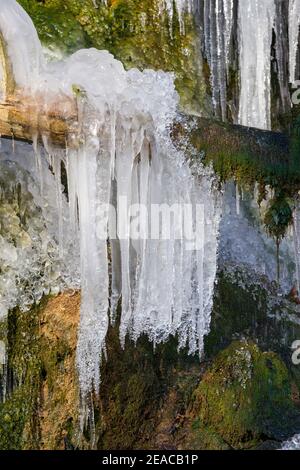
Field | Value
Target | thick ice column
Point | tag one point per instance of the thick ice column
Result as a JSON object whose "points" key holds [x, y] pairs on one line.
{"points": [[256, 21], [296, 237], [94, 268], [294, 34]]}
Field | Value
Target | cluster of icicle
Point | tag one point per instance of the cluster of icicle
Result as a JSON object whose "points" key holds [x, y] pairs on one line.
{"points": [[124, 151], [30, 252], [255, 22], [218, 22], [181, 6]]}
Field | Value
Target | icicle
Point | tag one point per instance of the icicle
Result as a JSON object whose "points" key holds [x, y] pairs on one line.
{"points": [[294, 32], [237, 198], [296, 238], [218, 23], [256, 20], [282, 51], [182, 6], [3, 372]]}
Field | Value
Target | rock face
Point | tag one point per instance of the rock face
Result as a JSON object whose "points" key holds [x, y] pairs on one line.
{"points": [[158, 399], [41, 399]]}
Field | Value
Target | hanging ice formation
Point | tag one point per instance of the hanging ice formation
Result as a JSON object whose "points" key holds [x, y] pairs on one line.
{"points": [[256, 20], [124, 155], [218, 22], [255, 23], [296, 237], [294, 34], [182, 6]]}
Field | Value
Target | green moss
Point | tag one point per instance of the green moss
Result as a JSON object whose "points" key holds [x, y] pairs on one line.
{"points": [[202, 437], [29, 362], [251, 158], [56, 25], [245, 395], [18, 414]]}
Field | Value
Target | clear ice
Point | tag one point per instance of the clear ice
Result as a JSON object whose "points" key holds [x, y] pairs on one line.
{"points": [[218, 23], [256, 20], [294, 34], [124, 153]]}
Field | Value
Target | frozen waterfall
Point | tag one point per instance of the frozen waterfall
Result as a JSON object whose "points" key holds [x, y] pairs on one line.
{"points": [[121, 169]]}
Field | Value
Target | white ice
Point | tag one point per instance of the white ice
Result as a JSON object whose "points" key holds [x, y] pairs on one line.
{"points": [[256, 19], [294, 25], [124, 150]]}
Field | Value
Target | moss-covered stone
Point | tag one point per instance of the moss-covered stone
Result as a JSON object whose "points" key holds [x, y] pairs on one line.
{"points": [[248, 306], [18, 413], [41, 392], [245, 395]]}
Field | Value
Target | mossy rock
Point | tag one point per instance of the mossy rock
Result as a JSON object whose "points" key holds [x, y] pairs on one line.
{"points": [[197, 436], [245, 396]]}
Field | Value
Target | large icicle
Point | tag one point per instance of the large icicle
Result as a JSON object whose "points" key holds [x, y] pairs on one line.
{"points": [[256, 20], [126, 155], [294, 33], [218, 22], [296, 237]]}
